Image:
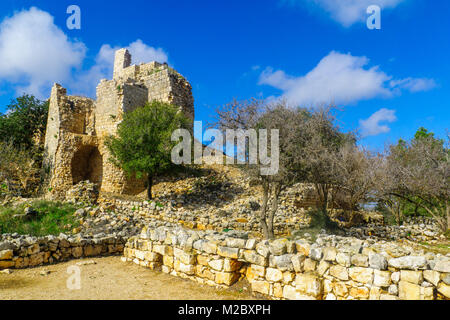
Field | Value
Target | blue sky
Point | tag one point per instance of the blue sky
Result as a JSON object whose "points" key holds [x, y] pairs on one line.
{"points": [[387, 82]]}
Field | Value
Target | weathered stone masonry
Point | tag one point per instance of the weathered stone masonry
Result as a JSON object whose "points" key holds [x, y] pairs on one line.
{"points": [[77, 126], [293, 270]]}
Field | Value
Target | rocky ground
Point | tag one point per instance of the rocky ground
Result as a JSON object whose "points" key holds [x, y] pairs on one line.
{"points": [[108, 278]]}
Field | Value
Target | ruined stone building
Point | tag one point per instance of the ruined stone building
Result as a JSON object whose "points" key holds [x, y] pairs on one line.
{"points": [[77, 126]]}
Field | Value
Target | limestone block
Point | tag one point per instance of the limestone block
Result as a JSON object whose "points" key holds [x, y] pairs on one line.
{"points": [[408, 291], [216, 264], [6, 254], [362, 275], [382, 278], [432, 276], [444, 290], [360, 292], [227, 252], [344, 259], [226, 278], [261, 286], [308, 284], [329, 254], [183, 256], [309, 265], [254, 258], [297, 261], [339, 272], [415, 277], [273, 275], [360, 260]]}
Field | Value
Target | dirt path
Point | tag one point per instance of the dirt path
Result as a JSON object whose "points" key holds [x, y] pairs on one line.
{"points": [[109, 278]]}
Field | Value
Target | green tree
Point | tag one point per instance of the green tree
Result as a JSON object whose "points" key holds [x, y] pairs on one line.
{"points": [[143, 143], [26, 117]]}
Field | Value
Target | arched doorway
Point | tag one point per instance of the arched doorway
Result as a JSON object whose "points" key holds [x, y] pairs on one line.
{"points": [[87, 164]]}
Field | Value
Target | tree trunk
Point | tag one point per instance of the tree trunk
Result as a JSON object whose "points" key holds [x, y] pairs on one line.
{"points": [[262, 215], [149, 187], [276, 193]]}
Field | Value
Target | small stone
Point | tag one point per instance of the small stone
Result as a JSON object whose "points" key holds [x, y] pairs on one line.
{"points": [[86, 262], [393, 289], [6, 271], [395, 277]]}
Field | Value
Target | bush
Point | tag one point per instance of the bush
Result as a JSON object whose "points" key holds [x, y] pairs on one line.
{"points": [[20, 170]]}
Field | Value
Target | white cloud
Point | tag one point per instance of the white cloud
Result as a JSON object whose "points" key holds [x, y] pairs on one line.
{"points": [[104, 64], [348, 12], [341, 79], [142, 53], [372, 126], [414, 85], [34, 52]]}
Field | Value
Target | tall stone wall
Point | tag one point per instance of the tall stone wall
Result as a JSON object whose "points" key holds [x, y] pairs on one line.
{"points": [[77, 126]]}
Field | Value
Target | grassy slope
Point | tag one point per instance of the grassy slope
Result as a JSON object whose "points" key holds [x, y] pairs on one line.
{"points": [[52, 218]]}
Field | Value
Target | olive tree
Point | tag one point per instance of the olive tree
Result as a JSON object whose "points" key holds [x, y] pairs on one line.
{"points": [[418, 172]]}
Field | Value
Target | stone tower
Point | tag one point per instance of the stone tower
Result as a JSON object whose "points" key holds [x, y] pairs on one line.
{"points": [[77, 126], [122, 60]]}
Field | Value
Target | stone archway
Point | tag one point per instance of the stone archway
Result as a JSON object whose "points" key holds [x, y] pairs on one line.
{"points": [[87, 164]]}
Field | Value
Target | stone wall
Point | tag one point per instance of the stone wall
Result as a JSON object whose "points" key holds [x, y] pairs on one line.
{"points": [[23, 252], [284, 269]]}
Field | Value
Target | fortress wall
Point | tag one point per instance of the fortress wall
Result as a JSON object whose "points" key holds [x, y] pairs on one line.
{"points": [[107, 112], [133, 97], [53, 124]]}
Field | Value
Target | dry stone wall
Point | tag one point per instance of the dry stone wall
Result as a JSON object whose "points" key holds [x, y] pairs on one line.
{"points": [[284, 269], [23, 252]]}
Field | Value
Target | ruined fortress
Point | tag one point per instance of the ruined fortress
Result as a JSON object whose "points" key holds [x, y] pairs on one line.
{"points": [[77, 126]]}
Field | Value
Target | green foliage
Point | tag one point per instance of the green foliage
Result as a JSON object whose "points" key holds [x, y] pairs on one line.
{"points": [[143, 144], [20, 169], [26, 117], [52, 218]]}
